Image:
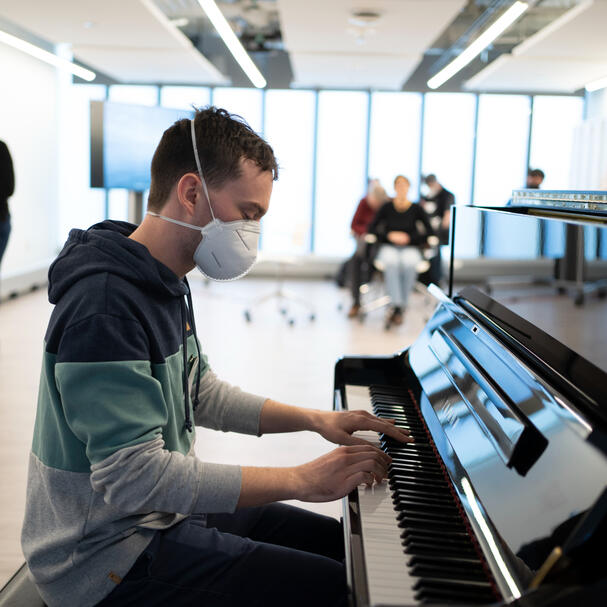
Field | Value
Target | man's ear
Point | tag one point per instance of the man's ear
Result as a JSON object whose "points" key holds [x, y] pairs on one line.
{"points": [[188, 188]]}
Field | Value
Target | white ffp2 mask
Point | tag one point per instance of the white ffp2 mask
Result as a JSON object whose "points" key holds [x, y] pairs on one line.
{"points": [[228, 249]]}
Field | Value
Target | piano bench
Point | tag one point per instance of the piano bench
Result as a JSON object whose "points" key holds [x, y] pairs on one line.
{"points": [[20, 591]]}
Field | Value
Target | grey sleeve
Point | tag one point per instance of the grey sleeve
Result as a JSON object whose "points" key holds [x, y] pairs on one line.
{"points": [[225, 407], [148, 478]]}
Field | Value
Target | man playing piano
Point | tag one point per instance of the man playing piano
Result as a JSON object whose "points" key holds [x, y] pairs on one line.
{"points": [[119, 509]]}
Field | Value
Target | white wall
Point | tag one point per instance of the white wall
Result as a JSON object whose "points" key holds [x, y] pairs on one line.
{"points": [[29, 126]]}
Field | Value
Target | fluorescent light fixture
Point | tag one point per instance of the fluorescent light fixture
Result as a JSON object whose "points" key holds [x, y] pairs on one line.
{"points": [[231, 41], [38, 53], [481, 43], [595, 85]]}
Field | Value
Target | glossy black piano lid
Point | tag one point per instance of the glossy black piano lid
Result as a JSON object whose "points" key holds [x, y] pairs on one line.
{"points": [[504, 261]]}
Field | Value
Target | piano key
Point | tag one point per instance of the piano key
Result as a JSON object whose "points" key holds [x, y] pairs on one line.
{"points": [[432, 535], [417, 504], [432, 550]]}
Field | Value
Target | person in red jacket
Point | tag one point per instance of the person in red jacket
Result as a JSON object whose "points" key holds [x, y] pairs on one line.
{"points": [[364, 215]]}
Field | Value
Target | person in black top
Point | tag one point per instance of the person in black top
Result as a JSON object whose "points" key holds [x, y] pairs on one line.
{"points": [[7, 187], [438, 205], [402, 228]]}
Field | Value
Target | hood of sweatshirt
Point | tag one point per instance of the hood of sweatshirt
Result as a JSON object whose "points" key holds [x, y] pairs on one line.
{"points": [[107, 248]]}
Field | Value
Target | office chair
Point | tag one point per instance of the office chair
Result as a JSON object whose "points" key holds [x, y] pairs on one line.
{"points": [[280, 294]]}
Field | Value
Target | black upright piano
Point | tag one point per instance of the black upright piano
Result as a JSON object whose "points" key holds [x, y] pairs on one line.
{"points": [[502, 498]]}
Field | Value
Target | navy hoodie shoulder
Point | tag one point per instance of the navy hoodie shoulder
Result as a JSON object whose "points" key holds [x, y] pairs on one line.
{"points": [[111, 283]]}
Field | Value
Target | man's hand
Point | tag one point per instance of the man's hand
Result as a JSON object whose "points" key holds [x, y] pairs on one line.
{"points": [[324, 479], [340, 471], [338, 427]]}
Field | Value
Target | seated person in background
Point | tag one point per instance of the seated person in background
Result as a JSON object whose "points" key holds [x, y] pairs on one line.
{"points": [[535, 177], [437, 203], [365, 212], [402, 228]]}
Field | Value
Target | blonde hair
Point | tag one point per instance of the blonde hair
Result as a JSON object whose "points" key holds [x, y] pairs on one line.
{"points": [[378, 192]]}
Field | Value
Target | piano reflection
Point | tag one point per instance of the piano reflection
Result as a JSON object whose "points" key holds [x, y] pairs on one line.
{"points": [[502, 498]]}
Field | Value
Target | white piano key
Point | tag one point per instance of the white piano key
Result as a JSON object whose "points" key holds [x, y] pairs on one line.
{"points": [[388, 579]]}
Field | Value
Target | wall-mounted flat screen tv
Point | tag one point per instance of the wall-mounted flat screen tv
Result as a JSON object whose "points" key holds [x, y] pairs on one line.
{"points": [[123, 140]]}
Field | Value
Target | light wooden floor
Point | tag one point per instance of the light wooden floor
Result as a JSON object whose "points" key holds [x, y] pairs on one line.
{"points": [[292, 364]]}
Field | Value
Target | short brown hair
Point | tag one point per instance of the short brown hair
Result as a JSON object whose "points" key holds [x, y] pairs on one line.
{"points": [[223, 140]]}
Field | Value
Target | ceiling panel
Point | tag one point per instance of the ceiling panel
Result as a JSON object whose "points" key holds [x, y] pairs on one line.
{"points": [[121, 27], [323, 45], [563, 57], [147, 65], [352, 71]]}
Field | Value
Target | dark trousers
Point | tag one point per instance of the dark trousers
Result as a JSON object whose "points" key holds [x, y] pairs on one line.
{"points": [[5, 230], [275, 555], [360, 268]]}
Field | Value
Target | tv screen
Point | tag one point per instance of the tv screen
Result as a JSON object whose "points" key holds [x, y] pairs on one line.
{"points": [[123, 140]]}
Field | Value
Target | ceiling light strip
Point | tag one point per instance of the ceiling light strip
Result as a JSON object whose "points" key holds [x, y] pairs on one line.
{"points": [[51, 58], [231, 41], [482, 42]]}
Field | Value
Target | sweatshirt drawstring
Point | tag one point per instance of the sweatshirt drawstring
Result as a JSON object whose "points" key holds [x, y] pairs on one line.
{"points": [[184, 349], [193, 325]]}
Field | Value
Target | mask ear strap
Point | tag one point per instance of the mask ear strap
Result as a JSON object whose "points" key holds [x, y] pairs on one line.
{"points": [[204, 185], [179, 223]]}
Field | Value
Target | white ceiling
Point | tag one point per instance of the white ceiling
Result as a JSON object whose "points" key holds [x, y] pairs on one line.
{"points": [[563, 57], [324, 53], [130, 40], [133, 41]]}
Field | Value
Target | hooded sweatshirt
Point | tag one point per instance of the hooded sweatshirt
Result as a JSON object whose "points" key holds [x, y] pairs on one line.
{"points": [[112, 458]]}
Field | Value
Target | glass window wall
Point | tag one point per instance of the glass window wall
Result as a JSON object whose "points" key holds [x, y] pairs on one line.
{"points": [[448, 146], [246, 103], [184, 97], [394, 138], [287, 226], [341, 168], [501, 147], [552, 128]]}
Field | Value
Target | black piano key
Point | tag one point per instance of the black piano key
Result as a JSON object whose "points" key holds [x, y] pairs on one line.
{"points": [[397, 466], [451, 538], [421, 477], [413, 506], [471, 574], [456, 561], [425, 506], [413, 456], [409, 493], [434, 535], [434, 515], [420, 522], [424, 548], [440, 568], [431, 490], [441, 582], [453, 595]]}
